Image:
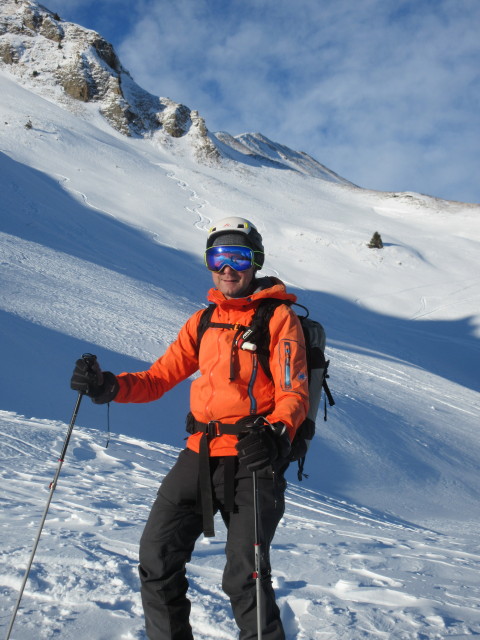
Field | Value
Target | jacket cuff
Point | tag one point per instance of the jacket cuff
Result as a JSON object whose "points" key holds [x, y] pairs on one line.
{"points": [[108, 390]]}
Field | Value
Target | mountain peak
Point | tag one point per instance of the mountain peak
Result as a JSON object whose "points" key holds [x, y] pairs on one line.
{"points": [[257, 149]]}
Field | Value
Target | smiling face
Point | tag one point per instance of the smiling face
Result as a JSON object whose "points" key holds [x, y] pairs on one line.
{"points": [[233, 284]]}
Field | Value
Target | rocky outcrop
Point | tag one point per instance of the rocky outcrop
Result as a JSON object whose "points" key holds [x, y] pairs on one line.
{"points": [[36, 43], [8, 54], [28, 19]]}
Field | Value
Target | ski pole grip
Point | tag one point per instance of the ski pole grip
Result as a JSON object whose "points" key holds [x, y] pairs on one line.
{"points": [[89, 359]]}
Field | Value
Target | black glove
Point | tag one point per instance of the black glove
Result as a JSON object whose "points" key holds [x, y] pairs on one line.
{"points": [[259, 446], [88, 378]]}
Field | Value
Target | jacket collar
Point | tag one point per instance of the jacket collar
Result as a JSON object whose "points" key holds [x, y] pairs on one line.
{"points": [[267, 287]]}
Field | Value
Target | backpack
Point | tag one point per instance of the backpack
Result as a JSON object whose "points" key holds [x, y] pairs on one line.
{"points": [[256, 338]]}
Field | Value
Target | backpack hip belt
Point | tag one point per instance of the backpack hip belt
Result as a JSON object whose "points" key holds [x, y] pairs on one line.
{"points": [[214, 428]]}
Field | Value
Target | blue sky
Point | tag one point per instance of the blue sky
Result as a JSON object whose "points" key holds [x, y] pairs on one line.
{"points": [[384, 92]]}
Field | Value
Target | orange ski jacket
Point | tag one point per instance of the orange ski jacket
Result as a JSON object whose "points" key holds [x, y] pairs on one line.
{"points": [[213, 396]]}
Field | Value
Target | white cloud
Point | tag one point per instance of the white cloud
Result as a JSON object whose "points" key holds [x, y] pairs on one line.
{"points": [[348, 82]]}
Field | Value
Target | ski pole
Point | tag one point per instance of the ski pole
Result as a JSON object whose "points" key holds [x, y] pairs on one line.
{"points": [[89, 359], [257, 549]]}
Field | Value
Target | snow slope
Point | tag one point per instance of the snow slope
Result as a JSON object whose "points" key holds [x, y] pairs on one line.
{"points": [[343, 571], [101, 242]]}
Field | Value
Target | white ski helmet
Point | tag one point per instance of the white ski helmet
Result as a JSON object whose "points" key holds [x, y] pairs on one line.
{"points": [[228, 230]]}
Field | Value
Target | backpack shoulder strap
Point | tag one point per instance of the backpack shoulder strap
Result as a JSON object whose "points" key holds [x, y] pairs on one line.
{"points": [[204, 323], [260, 328]]}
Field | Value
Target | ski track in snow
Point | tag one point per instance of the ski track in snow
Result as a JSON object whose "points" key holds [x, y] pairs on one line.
{"points": [[351, 573], [450, 293], [203, 222]]}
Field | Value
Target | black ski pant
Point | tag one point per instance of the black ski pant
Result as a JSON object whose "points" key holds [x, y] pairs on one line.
{"points": [[167, 543]]}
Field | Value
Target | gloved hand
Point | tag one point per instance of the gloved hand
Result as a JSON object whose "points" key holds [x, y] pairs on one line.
{"points": [[88, 378], [259, 446]]}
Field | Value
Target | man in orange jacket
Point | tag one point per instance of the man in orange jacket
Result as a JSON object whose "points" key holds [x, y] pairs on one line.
{"points": [[241, 420]]}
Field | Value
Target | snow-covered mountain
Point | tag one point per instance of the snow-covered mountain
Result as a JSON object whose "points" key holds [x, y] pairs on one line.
{"points": [[73, 64], [102, 226]]}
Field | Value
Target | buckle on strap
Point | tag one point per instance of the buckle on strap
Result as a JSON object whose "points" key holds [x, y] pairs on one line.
{"points": [[212, 429]]}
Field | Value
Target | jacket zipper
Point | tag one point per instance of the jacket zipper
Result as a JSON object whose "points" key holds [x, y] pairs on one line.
{"points": [[288, 378]]}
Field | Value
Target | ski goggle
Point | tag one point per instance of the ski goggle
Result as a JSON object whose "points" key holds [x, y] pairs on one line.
{"points": [[236, 257]]}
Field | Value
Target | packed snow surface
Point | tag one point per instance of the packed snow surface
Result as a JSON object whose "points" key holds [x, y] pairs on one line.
{"points": [[342, 570], [101, 242]]}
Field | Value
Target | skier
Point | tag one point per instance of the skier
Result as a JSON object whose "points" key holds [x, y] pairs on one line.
{"points": [[241, 422]]}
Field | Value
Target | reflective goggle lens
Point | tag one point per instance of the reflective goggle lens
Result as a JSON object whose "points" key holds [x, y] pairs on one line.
{"points": [[238, 258]]}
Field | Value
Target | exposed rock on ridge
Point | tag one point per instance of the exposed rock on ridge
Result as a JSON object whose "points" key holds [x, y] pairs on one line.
{"points": [[40, 48], [71, 64]]}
